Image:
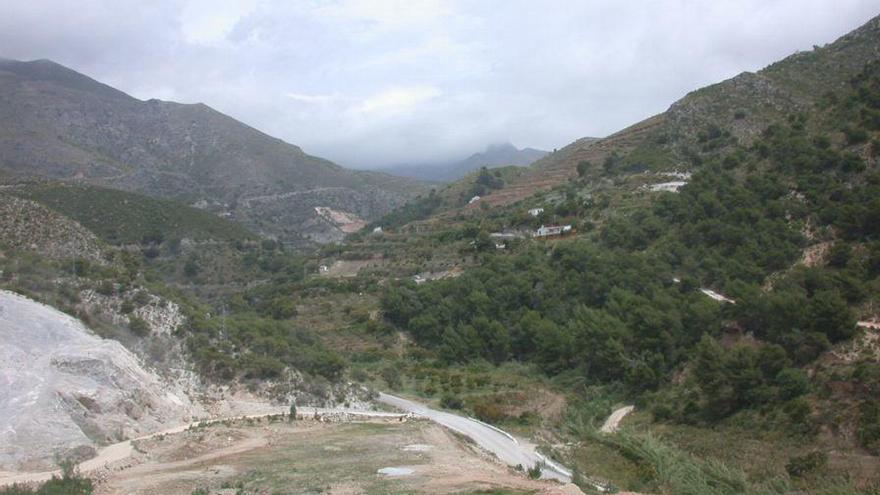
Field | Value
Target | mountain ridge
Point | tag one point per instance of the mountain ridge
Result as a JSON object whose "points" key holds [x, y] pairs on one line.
{"points": [[65, 125], [743, 105], [494, 155]]}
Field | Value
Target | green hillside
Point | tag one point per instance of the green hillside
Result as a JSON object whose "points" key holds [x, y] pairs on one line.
{"points": [[619, 310], [120, 217]]}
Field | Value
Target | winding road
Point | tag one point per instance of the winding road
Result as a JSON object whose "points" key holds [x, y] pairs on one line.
{"points": [[504, 446], [508, 449]]}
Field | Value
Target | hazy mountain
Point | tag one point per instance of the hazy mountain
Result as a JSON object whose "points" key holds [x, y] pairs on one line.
{"points": [[495, 155], [59, 123]]}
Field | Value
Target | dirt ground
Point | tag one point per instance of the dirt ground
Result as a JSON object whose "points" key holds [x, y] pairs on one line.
{"points": [[306, 457]]}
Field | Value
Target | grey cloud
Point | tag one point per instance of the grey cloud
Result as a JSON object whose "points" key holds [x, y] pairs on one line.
{"points": [[376, 82]]}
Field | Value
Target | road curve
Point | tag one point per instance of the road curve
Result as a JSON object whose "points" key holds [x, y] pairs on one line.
{"points": [[508, 449]]}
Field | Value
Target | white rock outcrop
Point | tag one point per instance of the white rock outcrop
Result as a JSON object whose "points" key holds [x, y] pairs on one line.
{"points": [[66, 390]]}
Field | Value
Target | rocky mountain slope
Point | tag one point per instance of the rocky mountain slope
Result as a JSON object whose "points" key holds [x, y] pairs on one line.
{"points": [[495, 155], [742, 106], [64, 125], [27, 225], [67, 390]]}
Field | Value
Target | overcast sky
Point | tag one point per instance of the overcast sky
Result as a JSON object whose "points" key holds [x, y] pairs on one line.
{"points": [[377, 82]]}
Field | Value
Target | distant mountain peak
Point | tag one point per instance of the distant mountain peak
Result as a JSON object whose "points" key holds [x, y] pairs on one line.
{"points": [[505, 146], [495, 155]]}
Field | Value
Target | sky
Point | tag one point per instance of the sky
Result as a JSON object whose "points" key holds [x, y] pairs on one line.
{"points": [[373, 83]]}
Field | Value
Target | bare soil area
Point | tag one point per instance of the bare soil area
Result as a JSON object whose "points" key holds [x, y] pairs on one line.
{"points": [[312, 457]]}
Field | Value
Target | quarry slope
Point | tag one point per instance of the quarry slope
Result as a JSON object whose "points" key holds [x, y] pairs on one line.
{"points": [[66, 391]]}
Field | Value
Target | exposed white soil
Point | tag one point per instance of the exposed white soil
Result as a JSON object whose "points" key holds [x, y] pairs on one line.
{"points": [[343, 220], [67, 391], [396, 471]]}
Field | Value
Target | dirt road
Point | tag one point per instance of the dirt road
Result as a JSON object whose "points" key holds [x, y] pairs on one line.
{"points": [[508, 449], [123, 450], [613, 422]]}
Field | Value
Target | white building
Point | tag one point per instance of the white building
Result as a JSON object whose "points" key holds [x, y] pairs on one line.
{"points": [[672, 186], [474, 199], [552, 230], [536, 211]]}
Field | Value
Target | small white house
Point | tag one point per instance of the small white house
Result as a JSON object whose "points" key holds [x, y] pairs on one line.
{"points": [[552, 230], [536, 211], [474, 200], [673, 186], [377, 230], [323, 269]]}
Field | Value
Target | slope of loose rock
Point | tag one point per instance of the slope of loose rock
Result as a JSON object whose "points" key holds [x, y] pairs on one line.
{"points": [[65, 390]]}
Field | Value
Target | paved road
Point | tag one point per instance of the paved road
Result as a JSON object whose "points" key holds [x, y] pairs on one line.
{"points": [[508, 449]]}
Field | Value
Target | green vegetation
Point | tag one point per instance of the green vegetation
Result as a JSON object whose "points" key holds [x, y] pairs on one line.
{"points": [[69, 483], [126, 218], [620, 309], [785, 224]]}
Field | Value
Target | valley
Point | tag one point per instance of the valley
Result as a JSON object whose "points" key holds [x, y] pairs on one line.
{"points": [[688, 306]]}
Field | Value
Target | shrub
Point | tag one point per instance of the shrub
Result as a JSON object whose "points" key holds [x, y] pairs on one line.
{"points": [[798, 466], [70, 483], [391, 375], [792, 383], [450, 401], [138, 326], [535, 471], [489, 412], [869, 425]]}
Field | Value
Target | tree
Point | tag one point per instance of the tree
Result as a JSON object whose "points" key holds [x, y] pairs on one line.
{"points": [[792, 382], [583, 167], [829, 314], [292, 416], [536, 471], [138, 326], [191, 267]]}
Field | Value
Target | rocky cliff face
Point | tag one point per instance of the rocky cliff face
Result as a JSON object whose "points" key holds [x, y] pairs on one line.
{"points": [[61, 124], [66, 390]]}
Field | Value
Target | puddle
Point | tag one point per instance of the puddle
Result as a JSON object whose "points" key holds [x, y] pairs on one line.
{"points": [[417, 447], [396, 471]]}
